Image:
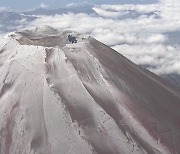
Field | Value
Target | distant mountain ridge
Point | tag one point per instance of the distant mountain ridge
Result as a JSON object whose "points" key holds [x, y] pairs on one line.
{"points": [[10, 21]]}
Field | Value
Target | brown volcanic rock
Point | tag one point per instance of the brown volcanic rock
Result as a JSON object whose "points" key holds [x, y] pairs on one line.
{"points": [[57, 97]]}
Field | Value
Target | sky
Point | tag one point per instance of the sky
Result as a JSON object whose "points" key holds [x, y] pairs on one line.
{"points": [[52, 4]]}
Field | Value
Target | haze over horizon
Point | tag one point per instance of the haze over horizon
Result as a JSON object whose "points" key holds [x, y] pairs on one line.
{"points": [[22, 5]]}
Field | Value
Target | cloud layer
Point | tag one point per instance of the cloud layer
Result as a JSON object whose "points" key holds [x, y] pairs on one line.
{"points": [[43, 6], [139, 32], [136, 31], [3, 9]]}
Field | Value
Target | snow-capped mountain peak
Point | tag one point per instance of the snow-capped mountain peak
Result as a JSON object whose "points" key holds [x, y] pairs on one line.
{"points": [[63, 92]]}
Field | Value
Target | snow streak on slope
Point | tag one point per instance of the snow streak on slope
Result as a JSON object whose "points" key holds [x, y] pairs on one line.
{"points": [[57, 97]]}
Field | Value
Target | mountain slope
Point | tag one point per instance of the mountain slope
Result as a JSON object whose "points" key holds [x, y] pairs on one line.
{"points": [[58, 97]]}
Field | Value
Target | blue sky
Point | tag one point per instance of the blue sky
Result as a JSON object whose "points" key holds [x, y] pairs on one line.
{"points": [[26, 4]]}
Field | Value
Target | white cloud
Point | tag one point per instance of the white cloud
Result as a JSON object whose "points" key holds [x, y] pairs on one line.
{"points": [[43, 6], [72, 5], [108, 14], [142, 38], [130, 7], [159, 58], [156, 38], [4, 9]]}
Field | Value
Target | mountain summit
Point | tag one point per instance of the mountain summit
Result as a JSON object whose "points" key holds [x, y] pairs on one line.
{"points": [[66, 93]]}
